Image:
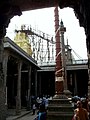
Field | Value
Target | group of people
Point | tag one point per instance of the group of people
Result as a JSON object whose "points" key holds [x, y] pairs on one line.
{"points": [[41, 104], [82, 110]]}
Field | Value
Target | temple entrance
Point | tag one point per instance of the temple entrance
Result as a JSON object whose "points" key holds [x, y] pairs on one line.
{"points": [[78, 82], [11, 82], [47, 83]]}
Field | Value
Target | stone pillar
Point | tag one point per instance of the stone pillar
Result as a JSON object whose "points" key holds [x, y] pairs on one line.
{"points": [[18, 97], [2, 87], [29, 89], [89, 72], [35, 82], [75, 89], [62, 30], [58, 74], [85, 12], [40, 85], [5, 60], [7, 12], [4, 21], [88, 47]]}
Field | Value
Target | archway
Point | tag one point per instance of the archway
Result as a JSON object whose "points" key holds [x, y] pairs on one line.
{"points": [[81, 9]]}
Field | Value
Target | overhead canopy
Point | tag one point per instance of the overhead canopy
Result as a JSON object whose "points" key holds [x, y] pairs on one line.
{"points": [[10, 8], [15, 7], [25, 5]]}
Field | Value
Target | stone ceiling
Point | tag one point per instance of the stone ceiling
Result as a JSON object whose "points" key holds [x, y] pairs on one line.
{"points": [[15, 7], [10, 8], [25, 5]]}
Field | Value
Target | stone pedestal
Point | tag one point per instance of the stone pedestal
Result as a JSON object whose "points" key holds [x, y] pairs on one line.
{"points": [[60, 108]]}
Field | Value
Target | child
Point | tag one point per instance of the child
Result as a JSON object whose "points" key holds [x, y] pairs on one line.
{"points": [[42, 113], [34, 108]]}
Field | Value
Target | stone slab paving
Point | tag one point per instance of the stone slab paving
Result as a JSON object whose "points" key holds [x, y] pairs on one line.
{"points": [[25, 115]]}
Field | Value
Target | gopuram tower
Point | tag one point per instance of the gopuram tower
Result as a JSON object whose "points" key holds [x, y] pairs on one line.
{"points": [[60, 107]]}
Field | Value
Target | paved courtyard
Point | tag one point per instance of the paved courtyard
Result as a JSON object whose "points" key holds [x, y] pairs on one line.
{"points": [[25, 115]]}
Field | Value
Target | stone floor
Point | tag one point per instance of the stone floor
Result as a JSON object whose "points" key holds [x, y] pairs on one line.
{"points": [[12, 116]]}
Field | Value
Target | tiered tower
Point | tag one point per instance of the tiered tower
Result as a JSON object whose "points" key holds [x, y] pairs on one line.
{"points": [[37, 44], [22, 40]]}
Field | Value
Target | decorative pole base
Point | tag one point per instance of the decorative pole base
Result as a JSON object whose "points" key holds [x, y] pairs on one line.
{"points": [[60, 108], [67, 93]]}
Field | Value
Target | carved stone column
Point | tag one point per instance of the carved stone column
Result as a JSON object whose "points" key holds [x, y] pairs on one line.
{"points": [[88, 52], [2, 88], [40, 87], [18, 97], [5, 60], [82, 12], [85, 22], [75, 82], [7, 11], [29, 89], [4, 21], [35, 82]]}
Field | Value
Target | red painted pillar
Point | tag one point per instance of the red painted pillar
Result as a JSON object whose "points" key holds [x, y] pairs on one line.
{"points": [[58, 74]]}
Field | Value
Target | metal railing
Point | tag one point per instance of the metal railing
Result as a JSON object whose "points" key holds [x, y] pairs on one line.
{"points": [[83, 61], [73, 62]]}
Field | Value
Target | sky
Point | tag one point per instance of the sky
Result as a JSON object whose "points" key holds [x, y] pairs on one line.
{"points": [[43, 20]]}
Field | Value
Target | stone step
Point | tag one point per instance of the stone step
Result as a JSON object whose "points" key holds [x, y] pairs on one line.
{"points": [[60, 101], [60, 105], [60, 110], [60, 113], [63, 106], [52, 117]]}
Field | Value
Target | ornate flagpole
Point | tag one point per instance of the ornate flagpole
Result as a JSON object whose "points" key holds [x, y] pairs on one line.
{"points": [[58, 74]]}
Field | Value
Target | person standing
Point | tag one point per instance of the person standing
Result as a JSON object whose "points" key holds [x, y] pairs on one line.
{"points": [[42, 114], [34, 108], [80, 112]]}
